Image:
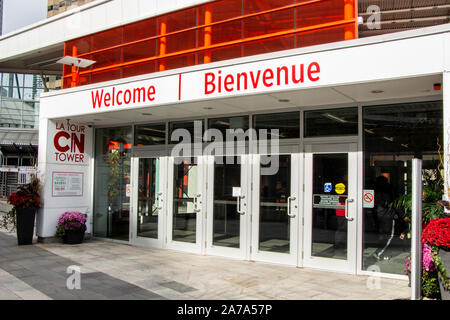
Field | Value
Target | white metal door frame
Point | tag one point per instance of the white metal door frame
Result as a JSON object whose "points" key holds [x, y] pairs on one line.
{"points": [[245, 208], [196, 247], [290, 258], [349, 265], [162, 207]]}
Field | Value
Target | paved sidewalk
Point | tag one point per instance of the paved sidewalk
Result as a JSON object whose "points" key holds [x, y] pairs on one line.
{"points": [[116, 271]]}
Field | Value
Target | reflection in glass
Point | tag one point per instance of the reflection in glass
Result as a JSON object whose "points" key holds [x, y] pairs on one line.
{"points": [[330, 190], [288, 124], [273, 219], [195, 129], [224, 124], [331, 122], [226, 223], [393, 136], [112, 174], [147, 220], [184, 208], [150, 134]]}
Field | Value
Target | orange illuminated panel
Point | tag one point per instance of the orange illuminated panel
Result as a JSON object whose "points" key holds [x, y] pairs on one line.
{"points": [[219, 30]]}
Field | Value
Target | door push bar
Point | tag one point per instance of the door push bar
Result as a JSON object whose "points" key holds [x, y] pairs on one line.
{"points": [[197, 202], [289, 206], [346, 209], [239, 209]]}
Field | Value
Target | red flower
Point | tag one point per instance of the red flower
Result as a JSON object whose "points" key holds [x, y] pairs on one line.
{"points": [[437, 232]]}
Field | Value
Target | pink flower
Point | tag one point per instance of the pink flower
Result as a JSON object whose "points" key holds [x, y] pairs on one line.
{"points": [[427, 258]]}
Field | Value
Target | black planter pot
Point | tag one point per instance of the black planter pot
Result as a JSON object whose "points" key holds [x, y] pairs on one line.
{"points": [[25, 225], [445, 257], [73, 237]]}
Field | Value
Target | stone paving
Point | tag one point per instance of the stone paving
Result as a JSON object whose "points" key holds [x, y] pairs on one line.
{"points": [[117, 271]]}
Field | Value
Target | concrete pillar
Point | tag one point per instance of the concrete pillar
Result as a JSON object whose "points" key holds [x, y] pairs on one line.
{"points": [[446, 144]]}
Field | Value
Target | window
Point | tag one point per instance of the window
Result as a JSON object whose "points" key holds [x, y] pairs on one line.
{"points": [[331, 122], [150, 134], [214, 31], [393, 135], [287, 124]]}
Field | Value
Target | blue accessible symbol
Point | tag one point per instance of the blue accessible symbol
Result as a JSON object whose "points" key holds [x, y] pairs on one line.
{"points": [[328, 187]]}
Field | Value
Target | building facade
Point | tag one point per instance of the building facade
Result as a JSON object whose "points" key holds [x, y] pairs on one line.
{"points": [[55, 7], [257, 130]]}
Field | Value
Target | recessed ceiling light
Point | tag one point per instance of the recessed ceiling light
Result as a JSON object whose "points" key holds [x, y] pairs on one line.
{"points": [[377, 91]]}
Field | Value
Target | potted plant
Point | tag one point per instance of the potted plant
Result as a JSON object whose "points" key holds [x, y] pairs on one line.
{"points": [[71, 227], [437, 235], [430, 284], [25, 203]]}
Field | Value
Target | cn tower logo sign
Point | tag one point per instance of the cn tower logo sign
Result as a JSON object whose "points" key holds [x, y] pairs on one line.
{"points": [[69, 142]]}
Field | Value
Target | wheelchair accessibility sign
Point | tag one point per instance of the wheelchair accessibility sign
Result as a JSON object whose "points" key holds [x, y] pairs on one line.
{"points": [[328, 187]]}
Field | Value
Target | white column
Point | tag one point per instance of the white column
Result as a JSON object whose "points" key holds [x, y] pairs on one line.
{"points": [[446, 134], [42, 166]]}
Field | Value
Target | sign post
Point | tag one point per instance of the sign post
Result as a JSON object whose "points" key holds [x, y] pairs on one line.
{"points": [[416, 230]]}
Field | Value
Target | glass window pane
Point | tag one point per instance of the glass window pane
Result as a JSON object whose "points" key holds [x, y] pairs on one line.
{"points": [[274, 223], [32, 93], [112, 174], [187, 129], [331, 122], [150, 134], [11, 120], [147, 220], [107, 38], [139, 30], [288, 124], [231, 123], [29, 80], [184, 221], [393, 135], [12, 92], [14, 79], [226, 224], [329, 229]]}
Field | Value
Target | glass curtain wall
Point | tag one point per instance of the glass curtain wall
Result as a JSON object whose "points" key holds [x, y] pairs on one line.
{"points": [[19, 100], [112, 174], [393, 136]]}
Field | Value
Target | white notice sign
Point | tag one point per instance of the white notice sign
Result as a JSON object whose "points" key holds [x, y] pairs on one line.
{"points": [[368, 198], [67, 184], [236, 191]]}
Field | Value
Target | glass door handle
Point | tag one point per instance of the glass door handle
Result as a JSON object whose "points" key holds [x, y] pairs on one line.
{"points": [[196, 202], [159, 199], [289, 199], [239, 209], [346, 209]]}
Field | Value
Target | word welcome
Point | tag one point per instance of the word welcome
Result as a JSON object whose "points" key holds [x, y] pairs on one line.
{"points": [[112, 98], [216, 82]]}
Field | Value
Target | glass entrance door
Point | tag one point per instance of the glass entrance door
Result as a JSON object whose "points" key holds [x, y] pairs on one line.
{"points": [[149, 201], [275, 212], [330, 207], [186, 203], [228, 206]]}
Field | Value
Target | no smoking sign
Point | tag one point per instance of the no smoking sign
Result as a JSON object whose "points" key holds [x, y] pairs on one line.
{"points": [[368, 198]]}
